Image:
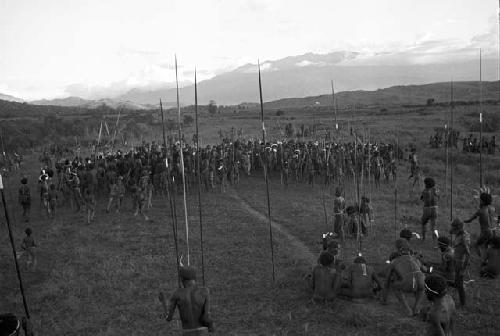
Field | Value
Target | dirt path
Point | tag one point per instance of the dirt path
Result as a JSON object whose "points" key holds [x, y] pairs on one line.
{"points": [[301, 250]]}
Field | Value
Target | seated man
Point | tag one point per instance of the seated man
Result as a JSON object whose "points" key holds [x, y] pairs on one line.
{"points": [[322, 280], [491, 265], [404, 275], [193, 303], [441, 314], [359, 280]]}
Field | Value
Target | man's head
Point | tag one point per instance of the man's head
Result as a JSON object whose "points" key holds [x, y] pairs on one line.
{"points": [[429, 182], [485, 199], [405, 234], [24, 180], [360, 260], [443, 243], [435, 287], [402, 246], [28, 231], [187, 273], [457, 226], [338, 192], [326, 259]]}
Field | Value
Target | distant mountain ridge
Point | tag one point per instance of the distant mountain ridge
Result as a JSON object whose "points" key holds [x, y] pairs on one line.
{"points": [[399, 95], [91, 104], [310, 74]]}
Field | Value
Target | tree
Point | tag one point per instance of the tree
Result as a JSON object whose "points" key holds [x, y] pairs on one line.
{"points": [[212, 107]]}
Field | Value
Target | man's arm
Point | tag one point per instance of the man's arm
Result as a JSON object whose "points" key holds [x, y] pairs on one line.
{"points": [[206, 318], [472, 218]]}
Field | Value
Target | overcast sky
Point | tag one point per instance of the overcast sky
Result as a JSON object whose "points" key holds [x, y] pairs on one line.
{"points": [[52, 48]]}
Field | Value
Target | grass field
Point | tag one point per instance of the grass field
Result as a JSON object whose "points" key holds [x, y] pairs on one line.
{"points": [[104, 279]]}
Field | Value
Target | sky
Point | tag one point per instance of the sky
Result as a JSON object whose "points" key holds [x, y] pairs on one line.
{"points": [[90, 48]]}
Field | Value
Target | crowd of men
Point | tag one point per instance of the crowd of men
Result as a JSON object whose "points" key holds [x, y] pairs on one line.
{"points": [[151, 169], [470, 144]]}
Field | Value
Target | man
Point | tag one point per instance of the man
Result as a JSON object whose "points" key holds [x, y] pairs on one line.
{"points": [[446, 268], [441, 315], [323, 277], [339, 208], [487, 219], [461, 247], [359, 281], [430, 198], [193, 303], [491, 265], [366, 212], [404, 275], [24, 197]]}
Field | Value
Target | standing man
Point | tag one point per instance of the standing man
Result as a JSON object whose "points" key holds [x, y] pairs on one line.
{"points": [[430, 198], [24, 197]]}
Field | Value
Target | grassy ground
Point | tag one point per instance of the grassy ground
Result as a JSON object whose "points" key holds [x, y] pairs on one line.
{"points": [[104, 279]]}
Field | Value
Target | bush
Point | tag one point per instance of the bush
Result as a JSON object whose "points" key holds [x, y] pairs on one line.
{"points": [[280, 113]]}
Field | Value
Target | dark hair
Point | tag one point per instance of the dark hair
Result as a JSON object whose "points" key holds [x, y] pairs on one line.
{"points": [[8, 324], [360, 260], [24, 180], [28, 231], [406, 234], [326, 258], [429, 182], [485, 198], [436, 284]]}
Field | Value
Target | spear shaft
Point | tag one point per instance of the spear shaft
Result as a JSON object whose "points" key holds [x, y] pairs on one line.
{"points": [[182, 163], [265, 172], [198, 172], [171, 199]]}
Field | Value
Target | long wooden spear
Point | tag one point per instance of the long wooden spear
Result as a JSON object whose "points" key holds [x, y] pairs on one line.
{"points": [[480, 121], [334, 108], [451, 153], [265, 172], [171, 198], [18, 272], [182, 163], [198, 172]]}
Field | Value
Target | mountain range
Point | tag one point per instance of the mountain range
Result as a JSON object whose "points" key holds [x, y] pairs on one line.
{"points": [[301, 76]]}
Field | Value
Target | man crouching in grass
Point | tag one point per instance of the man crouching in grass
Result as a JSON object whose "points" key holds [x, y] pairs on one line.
{"points": [[193, 303]]}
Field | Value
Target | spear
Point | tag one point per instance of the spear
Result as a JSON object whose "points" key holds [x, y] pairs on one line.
{"points": [[171, 198], [18, 272], [265, 171], [334, 107], [198, 171], [480, 121], [182, 162], [451, 153]]}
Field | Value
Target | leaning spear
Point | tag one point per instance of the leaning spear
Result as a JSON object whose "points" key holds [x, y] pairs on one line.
{"points": [[182, 162], [171, 199], [265, 172], [198, 171]]}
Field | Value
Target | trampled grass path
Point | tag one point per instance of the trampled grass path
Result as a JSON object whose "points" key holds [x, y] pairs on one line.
{"points": [[301, 250]]}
